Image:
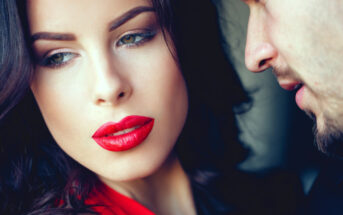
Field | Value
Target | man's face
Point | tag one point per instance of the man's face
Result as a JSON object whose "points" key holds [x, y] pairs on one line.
{"points": [[303, 42]]}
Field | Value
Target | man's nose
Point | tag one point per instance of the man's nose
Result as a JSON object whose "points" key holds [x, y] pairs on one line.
{"points": [[260, 53], [110, 86]]}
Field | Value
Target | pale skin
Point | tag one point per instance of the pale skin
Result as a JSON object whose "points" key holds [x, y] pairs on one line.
{"points": [[88, 73], [302, 41]]}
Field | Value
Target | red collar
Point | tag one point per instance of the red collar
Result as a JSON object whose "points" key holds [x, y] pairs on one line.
{"points": [[111, 202]]}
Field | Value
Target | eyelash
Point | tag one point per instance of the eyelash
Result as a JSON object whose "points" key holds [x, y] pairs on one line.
{"points": [[48, 61], [142, 38]]}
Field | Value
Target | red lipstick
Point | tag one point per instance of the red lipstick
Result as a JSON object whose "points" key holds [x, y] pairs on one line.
{"points": [[125, 134]]}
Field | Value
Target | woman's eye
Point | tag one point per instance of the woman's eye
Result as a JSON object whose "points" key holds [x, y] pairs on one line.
{"points": [[58, 59], [128, 39], [135, 39]]}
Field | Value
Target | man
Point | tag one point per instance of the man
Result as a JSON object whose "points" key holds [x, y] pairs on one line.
{"points": [[302, 41]]}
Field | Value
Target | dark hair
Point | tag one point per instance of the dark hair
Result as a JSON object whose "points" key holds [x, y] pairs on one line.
{"points": [[12, 63], [36, 175]]}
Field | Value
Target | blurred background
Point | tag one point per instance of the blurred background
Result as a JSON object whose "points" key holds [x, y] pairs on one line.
{"points": [[277, 132]]}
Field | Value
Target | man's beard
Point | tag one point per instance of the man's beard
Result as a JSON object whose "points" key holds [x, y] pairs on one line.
{"points": [[330, 141]]}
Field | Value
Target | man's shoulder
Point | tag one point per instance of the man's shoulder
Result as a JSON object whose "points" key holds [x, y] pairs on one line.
{"points": [[326, 195]]}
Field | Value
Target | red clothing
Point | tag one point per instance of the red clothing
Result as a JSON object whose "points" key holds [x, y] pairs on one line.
{"points": [[114, 203]]}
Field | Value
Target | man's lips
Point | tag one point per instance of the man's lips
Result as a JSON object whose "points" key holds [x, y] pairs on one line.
{"points": [[299, 97], [123, 135], [295, 85], [290, 85]]}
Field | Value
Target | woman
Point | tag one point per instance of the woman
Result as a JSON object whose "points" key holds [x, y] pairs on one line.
{"points": [[96, 115]]}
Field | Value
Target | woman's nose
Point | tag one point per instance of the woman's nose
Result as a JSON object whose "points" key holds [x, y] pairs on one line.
{"points": [[111, 86], [260, 53]]}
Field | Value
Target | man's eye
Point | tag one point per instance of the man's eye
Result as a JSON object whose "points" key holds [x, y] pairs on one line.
{"points": [[135, 39], [58, 59]]}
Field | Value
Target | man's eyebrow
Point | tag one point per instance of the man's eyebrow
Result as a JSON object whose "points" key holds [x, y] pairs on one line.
{"points": [[129, 15], [52, 36]]}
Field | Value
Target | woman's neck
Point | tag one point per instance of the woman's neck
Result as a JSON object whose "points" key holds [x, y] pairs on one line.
{"points": [[168, 191]]}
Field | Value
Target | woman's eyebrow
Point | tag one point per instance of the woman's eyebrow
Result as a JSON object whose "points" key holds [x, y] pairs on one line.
{"points": [[113, 25], [51, 36], [129, 15]]}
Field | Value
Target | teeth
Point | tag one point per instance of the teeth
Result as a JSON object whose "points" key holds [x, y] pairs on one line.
{"points": [[123, 131]]}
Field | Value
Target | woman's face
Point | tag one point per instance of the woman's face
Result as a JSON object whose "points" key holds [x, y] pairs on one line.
{"points": [[98, 62]]}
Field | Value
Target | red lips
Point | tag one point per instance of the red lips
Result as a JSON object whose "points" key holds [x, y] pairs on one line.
{"points": [[124, 135]]}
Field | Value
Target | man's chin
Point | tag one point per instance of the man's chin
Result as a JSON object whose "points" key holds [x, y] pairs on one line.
{"points": [[330, 141]]}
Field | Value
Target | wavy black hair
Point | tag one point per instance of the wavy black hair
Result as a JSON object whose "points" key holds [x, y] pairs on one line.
{"points": [[36, 175]]}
